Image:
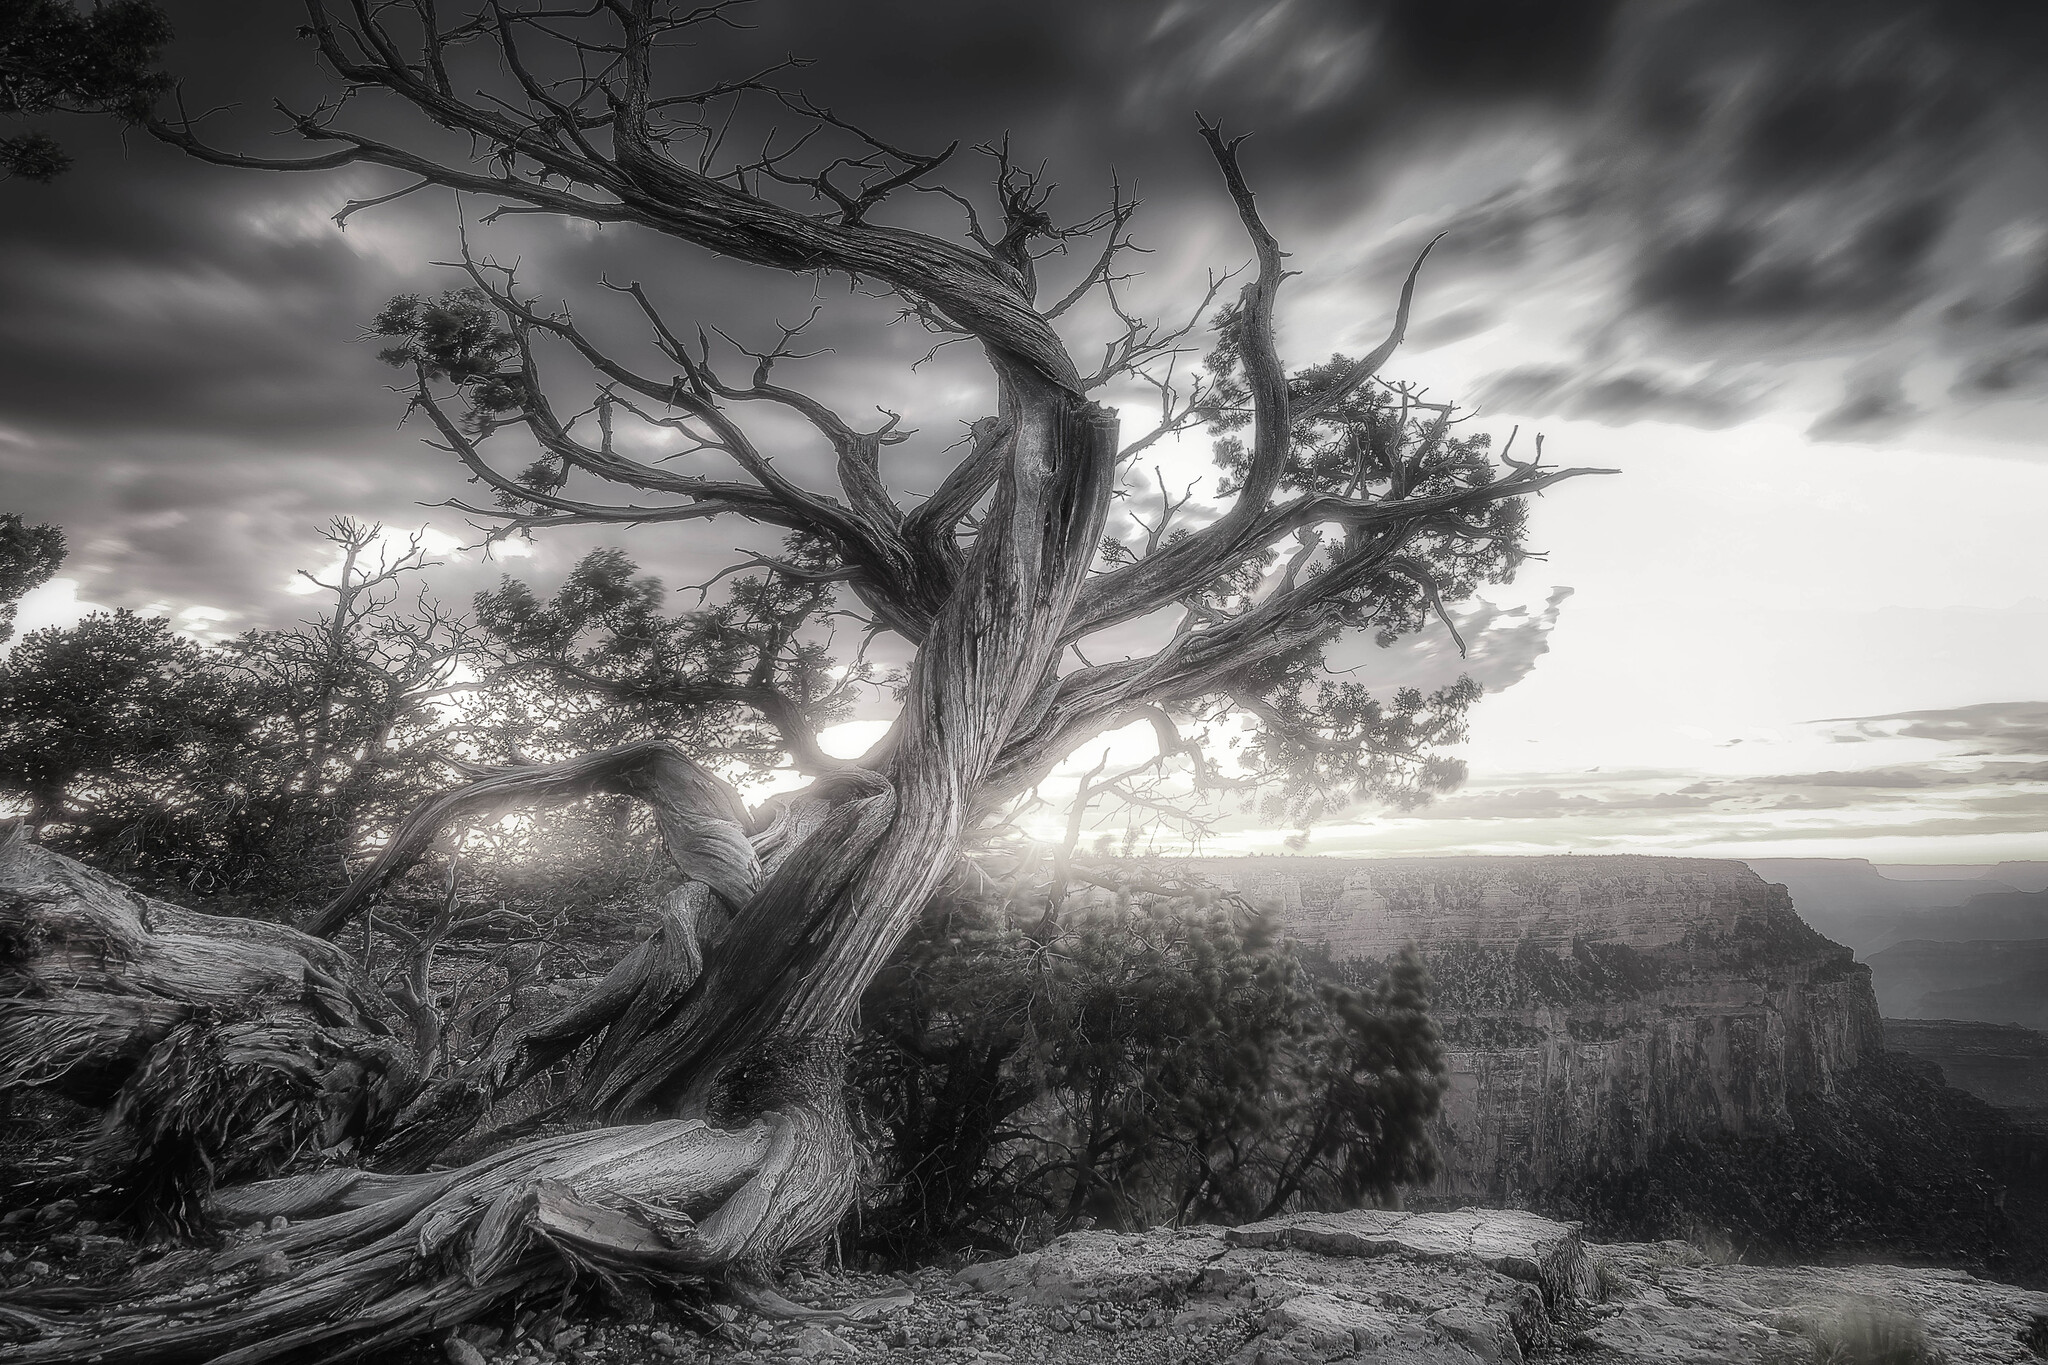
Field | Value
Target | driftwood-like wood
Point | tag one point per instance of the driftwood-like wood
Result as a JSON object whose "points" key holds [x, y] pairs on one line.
{"points": [[222, 1043], [388, 1256], [719, 1041]]}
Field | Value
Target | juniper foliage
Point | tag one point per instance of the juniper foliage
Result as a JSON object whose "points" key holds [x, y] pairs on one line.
{"points": [[1137, 1057]]}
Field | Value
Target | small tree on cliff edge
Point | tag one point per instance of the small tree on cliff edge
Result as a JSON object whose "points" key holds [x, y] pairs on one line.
{"points": [[720, 1041]]}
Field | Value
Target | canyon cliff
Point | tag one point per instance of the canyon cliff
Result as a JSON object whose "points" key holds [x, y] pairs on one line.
{"points": [[1594, 1006], [1661, 1046]]}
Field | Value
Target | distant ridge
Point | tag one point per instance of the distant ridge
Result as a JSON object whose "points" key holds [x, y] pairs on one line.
{"points": [[2023, 876], [2017, 874], [1852, 901]]}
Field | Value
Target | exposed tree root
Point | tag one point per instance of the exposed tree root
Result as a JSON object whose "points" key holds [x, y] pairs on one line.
{"points": [[699, 1008], [667, 1204], [219, 1048]]}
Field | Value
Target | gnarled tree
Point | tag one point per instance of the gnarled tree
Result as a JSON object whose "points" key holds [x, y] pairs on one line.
{"points": [[1353, 505]]}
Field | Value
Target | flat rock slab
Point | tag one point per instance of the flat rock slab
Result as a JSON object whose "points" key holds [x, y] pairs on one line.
{"points": [[1520, 1245], [1668, 1306], [1316, 1327], [1305, 1305], [1084, 1266], [1486, 1287]]}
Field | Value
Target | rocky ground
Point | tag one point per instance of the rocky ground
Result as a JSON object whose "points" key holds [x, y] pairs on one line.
{"points": [[1402, 1289]]}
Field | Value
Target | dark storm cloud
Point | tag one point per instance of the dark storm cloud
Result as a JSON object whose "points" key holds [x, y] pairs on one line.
{"points": [[1873, 403], [1791, 181], [2004, 370], [1400, 63], [1485, 50], [1744, 272], [255, 344], [1633, 395], [2028, 304], [1803, 161], [180, 347], [1441, 329]]}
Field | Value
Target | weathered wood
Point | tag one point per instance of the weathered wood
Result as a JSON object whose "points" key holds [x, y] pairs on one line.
{"points": [[398, 1255], [219, 1047]]}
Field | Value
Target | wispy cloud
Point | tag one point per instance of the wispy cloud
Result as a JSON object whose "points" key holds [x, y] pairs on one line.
{"points": [[1948, 794], [2010, 728]]}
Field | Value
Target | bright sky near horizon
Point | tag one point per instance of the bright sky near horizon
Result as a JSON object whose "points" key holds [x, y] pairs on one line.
{"points": [[1788, 275]]}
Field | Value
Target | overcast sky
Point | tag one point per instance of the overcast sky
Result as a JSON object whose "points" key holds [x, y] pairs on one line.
{"points": [[1783, 264]]}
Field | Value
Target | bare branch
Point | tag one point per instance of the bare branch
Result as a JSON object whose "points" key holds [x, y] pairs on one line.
{"points": [[355, 206], [1264, 374], [1366, 368], [702, 819]]}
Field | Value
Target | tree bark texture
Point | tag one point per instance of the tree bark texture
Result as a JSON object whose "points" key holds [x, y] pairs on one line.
{"points": [[718, 1042], [213, 1043], [740, 1059]]}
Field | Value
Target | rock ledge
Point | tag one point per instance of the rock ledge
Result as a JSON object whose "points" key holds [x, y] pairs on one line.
{"points": [[1491, 1285]]}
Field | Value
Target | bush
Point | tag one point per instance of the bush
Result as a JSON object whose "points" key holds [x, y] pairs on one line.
{"points": [[1035, 1064]]}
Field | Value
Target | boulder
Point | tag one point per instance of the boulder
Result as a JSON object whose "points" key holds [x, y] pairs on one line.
{"points": [[1520, 1245], [1309, 1293], [1161, 1264]]}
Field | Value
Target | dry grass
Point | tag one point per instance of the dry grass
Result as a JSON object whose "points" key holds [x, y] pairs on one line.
{"points": [[1608, 1281], [1872, 1334]]}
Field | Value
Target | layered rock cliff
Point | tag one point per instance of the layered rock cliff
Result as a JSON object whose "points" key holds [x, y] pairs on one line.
{"points": [[1594, 1006], [1662, 1046]]}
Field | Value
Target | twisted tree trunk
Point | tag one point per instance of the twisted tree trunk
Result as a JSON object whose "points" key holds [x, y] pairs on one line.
{"points": [[722, 1036]]}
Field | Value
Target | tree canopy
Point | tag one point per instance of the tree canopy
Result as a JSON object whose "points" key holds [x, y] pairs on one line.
{"points": [[55, 58], [29, 557], [102, 717], [1351, 503]]}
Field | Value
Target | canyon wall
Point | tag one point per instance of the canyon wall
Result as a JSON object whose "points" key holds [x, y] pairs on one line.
{"points": [[1596, 1008]]}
